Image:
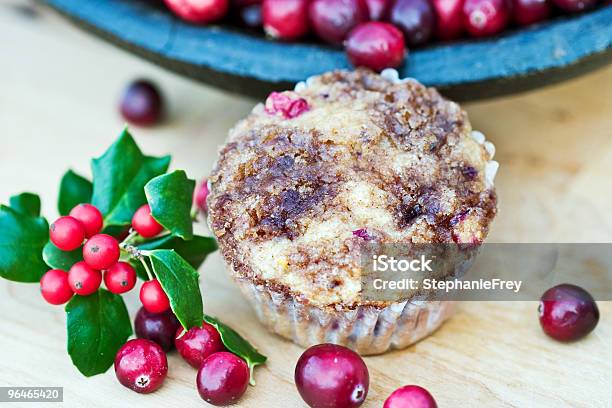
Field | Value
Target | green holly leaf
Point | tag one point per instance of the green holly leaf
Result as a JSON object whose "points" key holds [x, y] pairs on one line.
{"points": [[181, 283], [119, 177], [170, 197], [58, 259], [26, 204], [98, 325], [22, 239], [237, 345], [74, 190]]}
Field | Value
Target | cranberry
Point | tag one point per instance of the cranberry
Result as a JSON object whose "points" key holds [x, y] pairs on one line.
{"points": [[415, 18], [153, 297], [54, 287], [83, 279], [485, 17], [574, 6], [332, 20], [285, 19], [376, 45], [530, 11], [568, 312], [67, 233], [120, 278], [378, 9], [90, 217], [286, 104], [410, 396], [141, 365], [449, 18], [101, 251], [198, 343], [329, 375], [199, 11], [222, 379], [157, 327], [144, 223], [201, 194], [251, 16], [141, 103]]}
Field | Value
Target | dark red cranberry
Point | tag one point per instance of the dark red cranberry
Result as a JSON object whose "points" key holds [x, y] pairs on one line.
{"points": [[485, 17], [410, 396], [144, 223], [329, 375], [54, 287], [83, 279], [198, 343], [101, 251], [530, 11], [199, 11], [67, 233], [331, 20], [222, 379], [158, 327], [90, 217], [120, 278], [449, 18], [153, 297], [379, 9], [200, 196], [251, 16], [376, 45], [238, 4], [285, 19], [141, 366], [568, 312], [286, 104], [415, 18], [574, 6], [141, 103]]}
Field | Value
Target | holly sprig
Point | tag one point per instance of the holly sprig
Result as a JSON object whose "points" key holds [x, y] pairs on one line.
{"points": [[123, 180]]}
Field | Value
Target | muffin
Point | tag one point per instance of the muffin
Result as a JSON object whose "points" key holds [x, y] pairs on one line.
{"points": [[347, 157]]}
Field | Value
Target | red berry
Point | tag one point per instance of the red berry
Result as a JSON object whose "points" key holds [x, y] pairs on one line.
{"points": [[198, 343], [449, 18], [120, 278], [153, 297], [144, 223], [287, 104], [222, 379], [83, 279], [485, 17], [376, 45], [410, 396], [157, 327], [141, 365], [332, 20], [530, 11], [415, 18], [67, 233], [328, 375], [141, 103], [54, 287], [90, 217], [201, 195], [568, 312], [285, 19], [574, 6], [101, 251], [199, 11], [378, 9]]}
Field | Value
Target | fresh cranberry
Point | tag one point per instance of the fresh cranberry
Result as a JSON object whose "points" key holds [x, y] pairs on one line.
{"points": [[238, 4], [153, 297], [144, 223], [83, 279], [199, 11], [568, 312], [141, 103], [378, 9], [530, 11], [54, 287], [410, 396], [141, 365], [251, 16], [198, 343], [485, 17], [101, 251], [67, 233], [287, 104], [201, 194], [157, 327], [574, 6], [332, 20], [376, 45], [285, 19], [449, 18], [120, 278], [328, 375], [415, 18], [90, 217], [222, 379]]}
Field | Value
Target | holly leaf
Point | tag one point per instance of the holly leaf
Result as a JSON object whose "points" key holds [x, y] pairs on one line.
{"points": [[74, 190], [98, 325], [181, 283], [22, 239], [237, 345], [58, 259], [119, 177], [26, 204], [170, 197]]}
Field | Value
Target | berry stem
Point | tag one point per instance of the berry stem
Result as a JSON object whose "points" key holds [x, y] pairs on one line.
{"points": [[132, 234], [141, 259]]}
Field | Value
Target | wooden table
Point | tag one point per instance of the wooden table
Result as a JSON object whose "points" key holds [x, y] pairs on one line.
{"points": [[58, 94]]}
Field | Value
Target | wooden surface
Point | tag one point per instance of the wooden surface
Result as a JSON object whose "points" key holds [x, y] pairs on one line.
{"points": [[58, 92]]}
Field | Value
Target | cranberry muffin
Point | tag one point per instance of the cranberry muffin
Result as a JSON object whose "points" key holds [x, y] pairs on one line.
{"points": [[310, 174]]}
